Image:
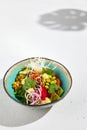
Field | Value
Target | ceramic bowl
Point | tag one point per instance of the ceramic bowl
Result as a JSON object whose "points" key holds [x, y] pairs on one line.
{"points": [[38, 62]]}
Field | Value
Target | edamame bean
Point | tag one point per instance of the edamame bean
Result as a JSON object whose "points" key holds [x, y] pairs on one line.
{"points": [[46, 87], [53, 82], [53, 77]]}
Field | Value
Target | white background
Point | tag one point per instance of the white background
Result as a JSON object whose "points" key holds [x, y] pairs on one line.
{"points": [[22, 36]]}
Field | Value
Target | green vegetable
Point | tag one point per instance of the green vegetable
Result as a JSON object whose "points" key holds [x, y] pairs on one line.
{"points": [[29, 83], [20, 95], [54, 97], [53, 82], [47, 84], [48, 71], [53, 77], [53, 88], [50, 76], [46, 87], [59, 91], [48, 80]]}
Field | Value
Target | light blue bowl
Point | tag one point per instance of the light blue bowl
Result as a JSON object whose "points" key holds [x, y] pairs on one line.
{"points": [[58, 68]]}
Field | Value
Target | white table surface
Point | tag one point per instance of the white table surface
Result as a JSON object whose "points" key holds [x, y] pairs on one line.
{"points": [[56, 29]]}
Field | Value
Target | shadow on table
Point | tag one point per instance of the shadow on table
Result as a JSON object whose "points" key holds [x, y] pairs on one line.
{"points": [[13, 114], [65, 20]]}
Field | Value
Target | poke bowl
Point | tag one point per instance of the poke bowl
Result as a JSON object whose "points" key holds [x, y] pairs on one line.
{"points": [[37, 81]]}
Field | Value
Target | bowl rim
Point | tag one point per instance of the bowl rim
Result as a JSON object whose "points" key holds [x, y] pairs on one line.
{"points": [[40, 104]]}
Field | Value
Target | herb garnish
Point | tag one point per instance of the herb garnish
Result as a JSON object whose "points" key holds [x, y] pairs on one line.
{"points": [[29, 83], [48, 71]]}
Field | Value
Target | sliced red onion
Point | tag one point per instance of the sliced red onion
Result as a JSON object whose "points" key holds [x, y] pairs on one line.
{"points": [[33, 96]]}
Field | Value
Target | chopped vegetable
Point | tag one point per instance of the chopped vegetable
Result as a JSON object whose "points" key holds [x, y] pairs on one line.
{"points": [[44, 93], [54, 97], [58, 81], [35, 87], [59, 91]]}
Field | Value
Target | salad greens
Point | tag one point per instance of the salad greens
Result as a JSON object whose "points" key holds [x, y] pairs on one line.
{"points": [[20, 95]]}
